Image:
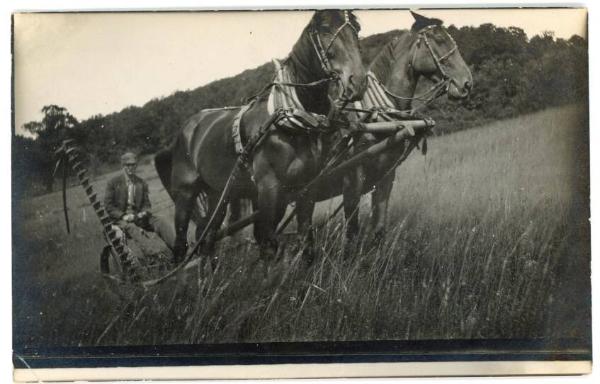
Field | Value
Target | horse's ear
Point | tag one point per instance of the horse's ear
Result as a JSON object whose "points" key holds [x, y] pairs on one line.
{"points": [[318, 17], [422, 22], [315, 19], [354, 21], [420, 19]]}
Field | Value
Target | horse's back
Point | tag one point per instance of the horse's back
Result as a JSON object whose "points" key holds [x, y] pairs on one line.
{"points": [[207, 126], [205, 144]]}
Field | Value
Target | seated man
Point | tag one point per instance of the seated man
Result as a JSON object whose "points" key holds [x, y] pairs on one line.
{"points": [[127, 203]]}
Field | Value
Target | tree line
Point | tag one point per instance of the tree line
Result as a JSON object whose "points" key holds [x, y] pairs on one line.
{"points": [[512, 75]]}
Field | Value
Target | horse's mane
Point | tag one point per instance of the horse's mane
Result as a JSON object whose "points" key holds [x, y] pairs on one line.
{"points": [[330, 18], [382, 64]]}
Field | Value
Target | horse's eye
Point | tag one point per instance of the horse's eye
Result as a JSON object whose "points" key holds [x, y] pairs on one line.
{"points": [[439, 36], [331, 54], [325, 29]]}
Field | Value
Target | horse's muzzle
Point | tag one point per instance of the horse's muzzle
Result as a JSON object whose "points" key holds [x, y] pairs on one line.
{"points": [[355, 88], [458, 93]]}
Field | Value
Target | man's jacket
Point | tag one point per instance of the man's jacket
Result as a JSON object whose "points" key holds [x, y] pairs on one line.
{"points": [[115, 196]]}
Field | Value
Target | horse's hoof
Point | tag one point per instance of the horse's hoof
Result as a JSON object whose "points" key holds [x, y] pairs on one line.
{"points": [[308, 258], [177, 260], [350, 247], [267, 280], [214, 263], [207, 248], [271, 282], [179, 254], [348, 251], [378, 238]]}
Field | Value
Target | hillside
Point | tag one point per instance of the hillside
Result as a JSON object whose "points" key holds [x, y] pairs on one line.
{"points": [[512, 75]]}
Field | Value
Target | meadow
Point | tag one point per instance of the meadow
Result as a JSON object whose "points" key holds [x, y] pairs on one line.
{"points": [[488, 238]]}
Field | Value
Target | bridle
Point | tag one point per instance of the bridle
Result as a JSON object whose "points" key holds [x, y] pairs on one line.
{"points": [[440, 86], [438, 60], [323, 51]]}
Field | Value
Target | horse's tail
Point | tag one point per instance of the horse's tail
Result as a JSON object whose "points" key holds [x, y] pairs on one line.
{"points": [[163, 162]]}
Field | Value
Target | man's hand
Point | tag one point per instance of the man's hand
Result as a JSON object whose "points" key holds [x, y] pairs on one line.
{"points": [[129, 217], [142, 214]]}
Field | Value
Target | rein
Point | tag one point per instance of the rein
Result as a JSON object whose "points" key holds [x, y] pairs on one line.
{"points": [[436, 91], [311, 84]]}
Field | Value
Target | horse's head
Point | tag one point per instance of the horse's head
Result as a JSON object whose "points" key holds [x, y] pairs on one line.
{"points": [[334, 37], [436, 57]]}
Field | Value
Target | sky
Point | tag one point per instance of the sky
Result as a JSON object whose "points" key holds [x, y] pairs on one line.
{"points": [[103, 62]]}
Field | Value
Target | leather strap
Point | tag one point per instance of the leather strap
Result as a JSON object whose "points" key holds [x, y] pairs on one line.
{"points": [[235, 129]]}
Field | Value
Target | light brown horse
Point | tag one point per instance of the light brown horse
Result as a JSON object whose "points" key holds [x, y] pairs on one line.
{"points": [[426, 51], [202, 155]]}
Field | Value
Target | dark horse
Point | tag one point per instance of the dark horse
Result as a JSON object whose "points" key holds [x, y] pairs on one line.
{"points": [[426, 51], [202, 155]]}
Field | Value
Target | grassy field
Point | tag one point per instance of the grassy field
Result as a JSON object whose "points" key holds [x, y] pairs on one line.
{"points": [[488, 238]]}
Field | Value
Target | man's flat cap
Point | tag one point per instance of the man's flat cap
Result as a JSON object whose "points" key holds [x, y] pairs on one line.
{"points": [[128, 158]]}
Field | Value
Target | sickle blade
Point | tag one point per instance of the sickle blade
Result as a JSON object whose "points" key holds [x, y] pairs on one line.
{"points": [[58, 164]]}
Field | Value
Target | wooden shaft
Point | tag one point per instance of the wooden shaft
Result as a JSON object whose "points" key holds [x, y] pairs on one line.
{"points": [[372, 151], [389, 126]]}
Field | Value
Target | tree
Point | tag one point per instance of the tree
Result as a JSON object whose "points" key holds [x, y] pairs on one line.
{"points": [[26, 174], [50, 132]]}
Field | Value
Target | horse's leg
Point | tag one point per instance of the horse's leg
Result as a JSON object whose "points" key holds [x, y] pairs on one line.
{"points": [[255, 260], [304, 213], [235, 210], [184, 201], [271, 205], [353, 186], [209, 241], [379, 202]]}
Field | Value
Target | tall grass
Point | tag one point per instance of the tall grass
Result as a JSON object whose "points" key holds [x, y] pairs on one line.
{"points": [[488, 238]]}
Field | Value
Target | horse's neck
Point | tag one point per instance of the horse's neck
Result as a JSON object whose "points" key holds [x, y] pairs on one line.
{"points": [[304, 67], [395, 70]]}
